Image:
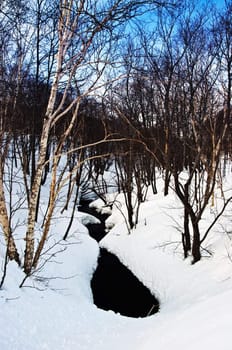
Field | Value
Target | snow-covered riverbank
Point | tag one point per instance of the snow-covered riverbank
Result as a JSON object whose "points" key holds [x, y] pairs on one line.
{"points": [[54, 310]]}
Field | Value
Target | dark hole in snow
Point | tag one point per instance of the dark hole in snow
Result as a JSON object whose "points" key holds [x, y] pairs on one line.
{"points": [[114, 286], [96, 231]]}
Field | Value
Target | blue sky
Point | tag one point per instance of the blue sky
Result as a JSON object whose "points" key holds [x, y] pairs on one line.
{"points": [[219, 3]]}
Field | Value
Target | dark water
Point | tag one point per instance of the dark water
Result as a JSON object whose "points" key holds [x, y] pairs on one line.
{"points": [[96, 231], [114, 286]]}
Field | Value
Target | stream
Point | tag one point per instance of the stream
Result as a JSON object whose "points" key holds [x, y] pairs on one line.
{"points": [[114, 286]]}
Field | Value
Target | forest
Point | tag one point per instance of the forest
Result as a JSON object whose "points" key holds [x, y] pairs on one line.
{"points": [[143, 87]]}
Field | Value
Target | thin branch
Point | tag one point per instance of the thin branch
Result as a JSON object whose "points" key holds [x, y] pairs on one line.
{"points": [[4, 269], [216, 219]]}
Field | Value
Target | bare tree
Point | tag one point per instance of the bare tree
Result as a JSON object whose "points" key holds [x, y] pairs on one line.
{"points": [[205, 133], [178, 106], [73, 66]]}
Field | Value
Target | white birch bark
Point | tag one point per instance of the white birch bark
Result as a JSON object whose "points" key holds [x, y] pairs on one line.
{"points": [[64, 37], [66, 67]]}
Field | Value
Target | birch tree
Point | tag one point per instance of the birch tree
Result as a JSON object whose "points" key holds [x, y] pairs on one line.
{"points": [[76, 56], [85, 31]]}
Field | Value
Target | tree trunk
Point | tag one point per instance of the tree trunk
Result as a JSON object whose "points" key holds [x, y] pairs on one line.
{"points": [[130, 210], [196, 253], [4, 222], [51, 206], [166, 182], [186, 235], [29, 250]]}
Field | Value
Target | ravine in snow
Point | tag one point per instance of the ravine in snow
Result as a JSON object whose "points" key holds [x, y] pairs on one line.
{"points": [[114, 286]]}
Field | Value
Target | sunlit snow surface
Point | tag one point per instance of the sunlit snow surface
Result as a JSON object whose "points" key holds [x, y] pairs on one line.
{"points": [[54, 310]]}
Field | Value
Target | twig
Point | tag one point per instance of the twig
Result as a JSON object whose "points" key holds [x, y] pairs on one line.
{"points": [[4, 269], [216, 219]]}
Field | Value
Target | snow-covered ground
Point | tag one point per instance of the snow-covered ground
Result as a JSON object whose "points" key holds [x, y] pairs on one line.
{"points": [[54, 309]]}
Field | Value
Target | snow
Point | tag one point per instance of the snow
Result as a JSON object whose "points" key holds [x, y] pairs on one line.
{"points": [[54, 308], [87, 219]]}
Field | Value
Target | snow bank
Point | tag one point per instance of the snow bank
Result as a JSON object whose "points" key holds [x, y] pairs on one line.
{"points": [[54, 309]]}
